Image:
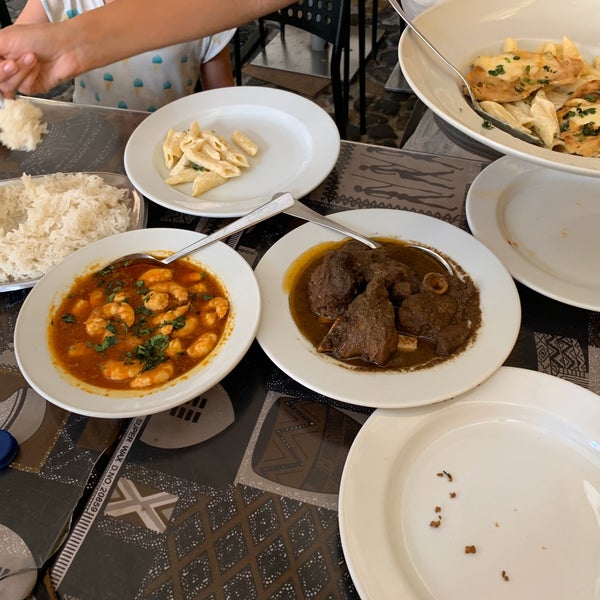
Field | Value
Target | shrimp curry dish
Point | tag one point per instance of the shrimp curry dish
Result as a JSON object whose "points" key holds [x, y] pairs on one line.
{"points": [[135, 326]]}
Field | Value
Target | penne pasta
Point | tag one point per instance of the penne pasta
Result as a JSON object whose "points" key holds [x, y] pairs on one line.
{"points": [[245, 143], [205, 159], [206, 180], [223, 168], [550, 92], [172, 147]]}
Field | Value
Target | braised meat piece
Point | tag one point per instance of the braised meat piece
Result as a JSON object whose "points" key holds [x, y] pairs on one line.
{"points": [[385, 263], [451, 337], [367, 331], [426, 313], [334, 283], [440, 316], [374, 300]]}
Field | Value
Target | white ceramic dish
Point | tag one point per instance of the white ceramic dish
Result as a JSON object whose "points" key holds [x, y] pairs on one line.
{"points": [[542, 225], [53, 383], [463, 29], [524, 458], [295, 355], [298, 146], [134, 201]]}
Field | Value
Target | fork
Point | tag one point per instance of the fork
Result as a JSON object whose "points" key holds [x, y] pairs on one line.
{"points": [[502, 125]]}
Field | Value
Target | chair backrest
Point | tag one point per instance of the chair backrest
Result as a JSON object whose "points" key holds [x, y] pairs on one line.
{"points": [[5, 19], [326, 19]]}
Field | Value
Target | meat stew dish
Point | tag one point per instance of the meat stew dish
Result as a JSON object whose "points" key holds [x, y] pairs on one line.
{"points": [[388, 308]]}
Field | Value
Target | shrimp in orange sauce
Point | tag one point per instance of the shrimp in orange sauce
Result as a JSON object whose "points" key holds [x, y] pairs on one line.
{"points": [[136, 327]]}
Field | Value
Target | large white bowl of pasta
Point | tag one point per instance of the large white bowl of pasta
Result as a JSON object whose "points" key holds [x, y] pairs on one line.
{"points": [[136, 339], [535, 60]]}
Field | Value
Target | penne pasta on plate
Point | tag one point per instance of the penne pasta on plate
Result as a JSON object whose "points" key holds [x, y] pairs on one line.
{"points": [[202, 157], [551, 92]]}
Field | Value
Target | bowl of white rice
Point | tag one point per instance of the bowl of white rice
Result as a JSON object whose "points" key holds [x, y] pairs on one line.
{"points": [[46, 218]]}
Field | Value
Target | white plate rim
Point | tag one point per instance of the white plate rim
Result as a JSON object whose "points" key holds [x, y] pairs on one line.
{"points": [[139, 215], [293, 354], [482, 206], [383, 436], [523, 21], [313, 127], [51, 382]]}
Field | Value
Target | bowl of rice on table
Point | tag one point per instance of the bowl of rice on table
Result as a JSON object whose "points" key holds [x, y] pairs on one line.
{"points": [[46, 218]]}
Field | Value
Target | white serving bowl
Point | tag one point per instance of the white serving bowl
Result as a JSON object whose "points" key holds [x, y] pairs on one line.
{"points": [[51, 381], [463, 29]]}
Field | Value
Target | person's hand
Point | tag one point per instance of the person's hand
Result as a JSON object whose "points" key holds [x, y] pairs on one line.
{"points": [[15, 74], [34, 58]]}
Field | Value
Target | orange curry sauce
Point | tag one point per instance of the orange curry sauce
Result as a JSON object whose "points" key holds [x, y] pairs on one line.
{"points": [[136, 326]]}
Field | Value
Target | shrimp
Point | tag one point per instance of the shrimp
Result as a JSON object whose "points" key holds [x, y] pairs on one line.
{"points": [[174, 348], [120, 297], [199, 288], [165, 321], [97, 322], [81, 308], [156, 301], [119, 311], [191, 277], [214, 311], [152, 276], [203, 345], [97, 298], [79, 349], [117, 370], [191, 323], [159, 374], [175, 290]]}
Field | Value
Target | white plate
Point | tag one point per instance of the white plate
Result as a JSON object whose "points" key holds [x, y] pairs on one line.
{"points": [[298, 146], [463, 29], [133, 199], [523, 453], [296, 356], [543, 225], [56, 385]]}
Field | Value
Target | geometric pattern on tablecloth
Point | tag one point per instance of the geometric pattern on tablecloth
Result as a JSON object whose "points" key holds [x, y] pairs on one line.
{"points": [[298, 449], [246, 543], [432, 185], [141, 505], [561, 356]]}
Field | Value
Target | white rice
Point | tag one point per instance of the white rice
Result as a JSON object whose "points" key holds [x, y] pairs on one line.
{"points": [[44, 219], [21, 125]]}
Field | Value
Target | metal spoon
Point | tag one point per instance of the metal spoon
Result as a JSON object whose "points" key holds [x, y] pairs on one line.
{"points": [[308, 214], [474, 103], [275, 206]]}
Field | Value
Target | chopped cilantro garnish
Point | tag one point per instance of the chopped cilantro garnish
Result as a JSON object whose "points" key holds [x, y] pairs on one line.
{"points": [[152, 352], [108, 342], [499, 70]]}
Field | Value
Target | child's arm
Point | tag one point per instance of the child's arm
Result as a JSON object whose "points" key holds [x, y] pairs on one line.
{"points": [[35, 58], [217, 72], [33, 12]]}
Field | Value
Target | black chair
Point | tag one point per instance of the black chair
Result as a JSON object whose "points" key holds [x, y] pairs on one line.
{"points": [[328, 20], [5, 19]]}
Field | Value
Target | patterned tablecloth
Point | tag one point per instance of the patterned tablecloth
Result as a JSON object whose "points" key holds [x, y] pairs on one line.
{"points": [[234, 494]]}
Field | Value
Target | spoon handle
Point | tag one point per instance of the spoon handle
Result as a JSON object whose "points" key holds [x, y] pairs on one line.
{"points": [[271, 208], [395, 4], [308, 214]]}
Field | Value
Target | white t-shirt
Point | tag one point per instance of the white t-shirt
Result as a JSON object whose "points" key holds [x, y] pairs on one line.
{"points": [[143, 82]]}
